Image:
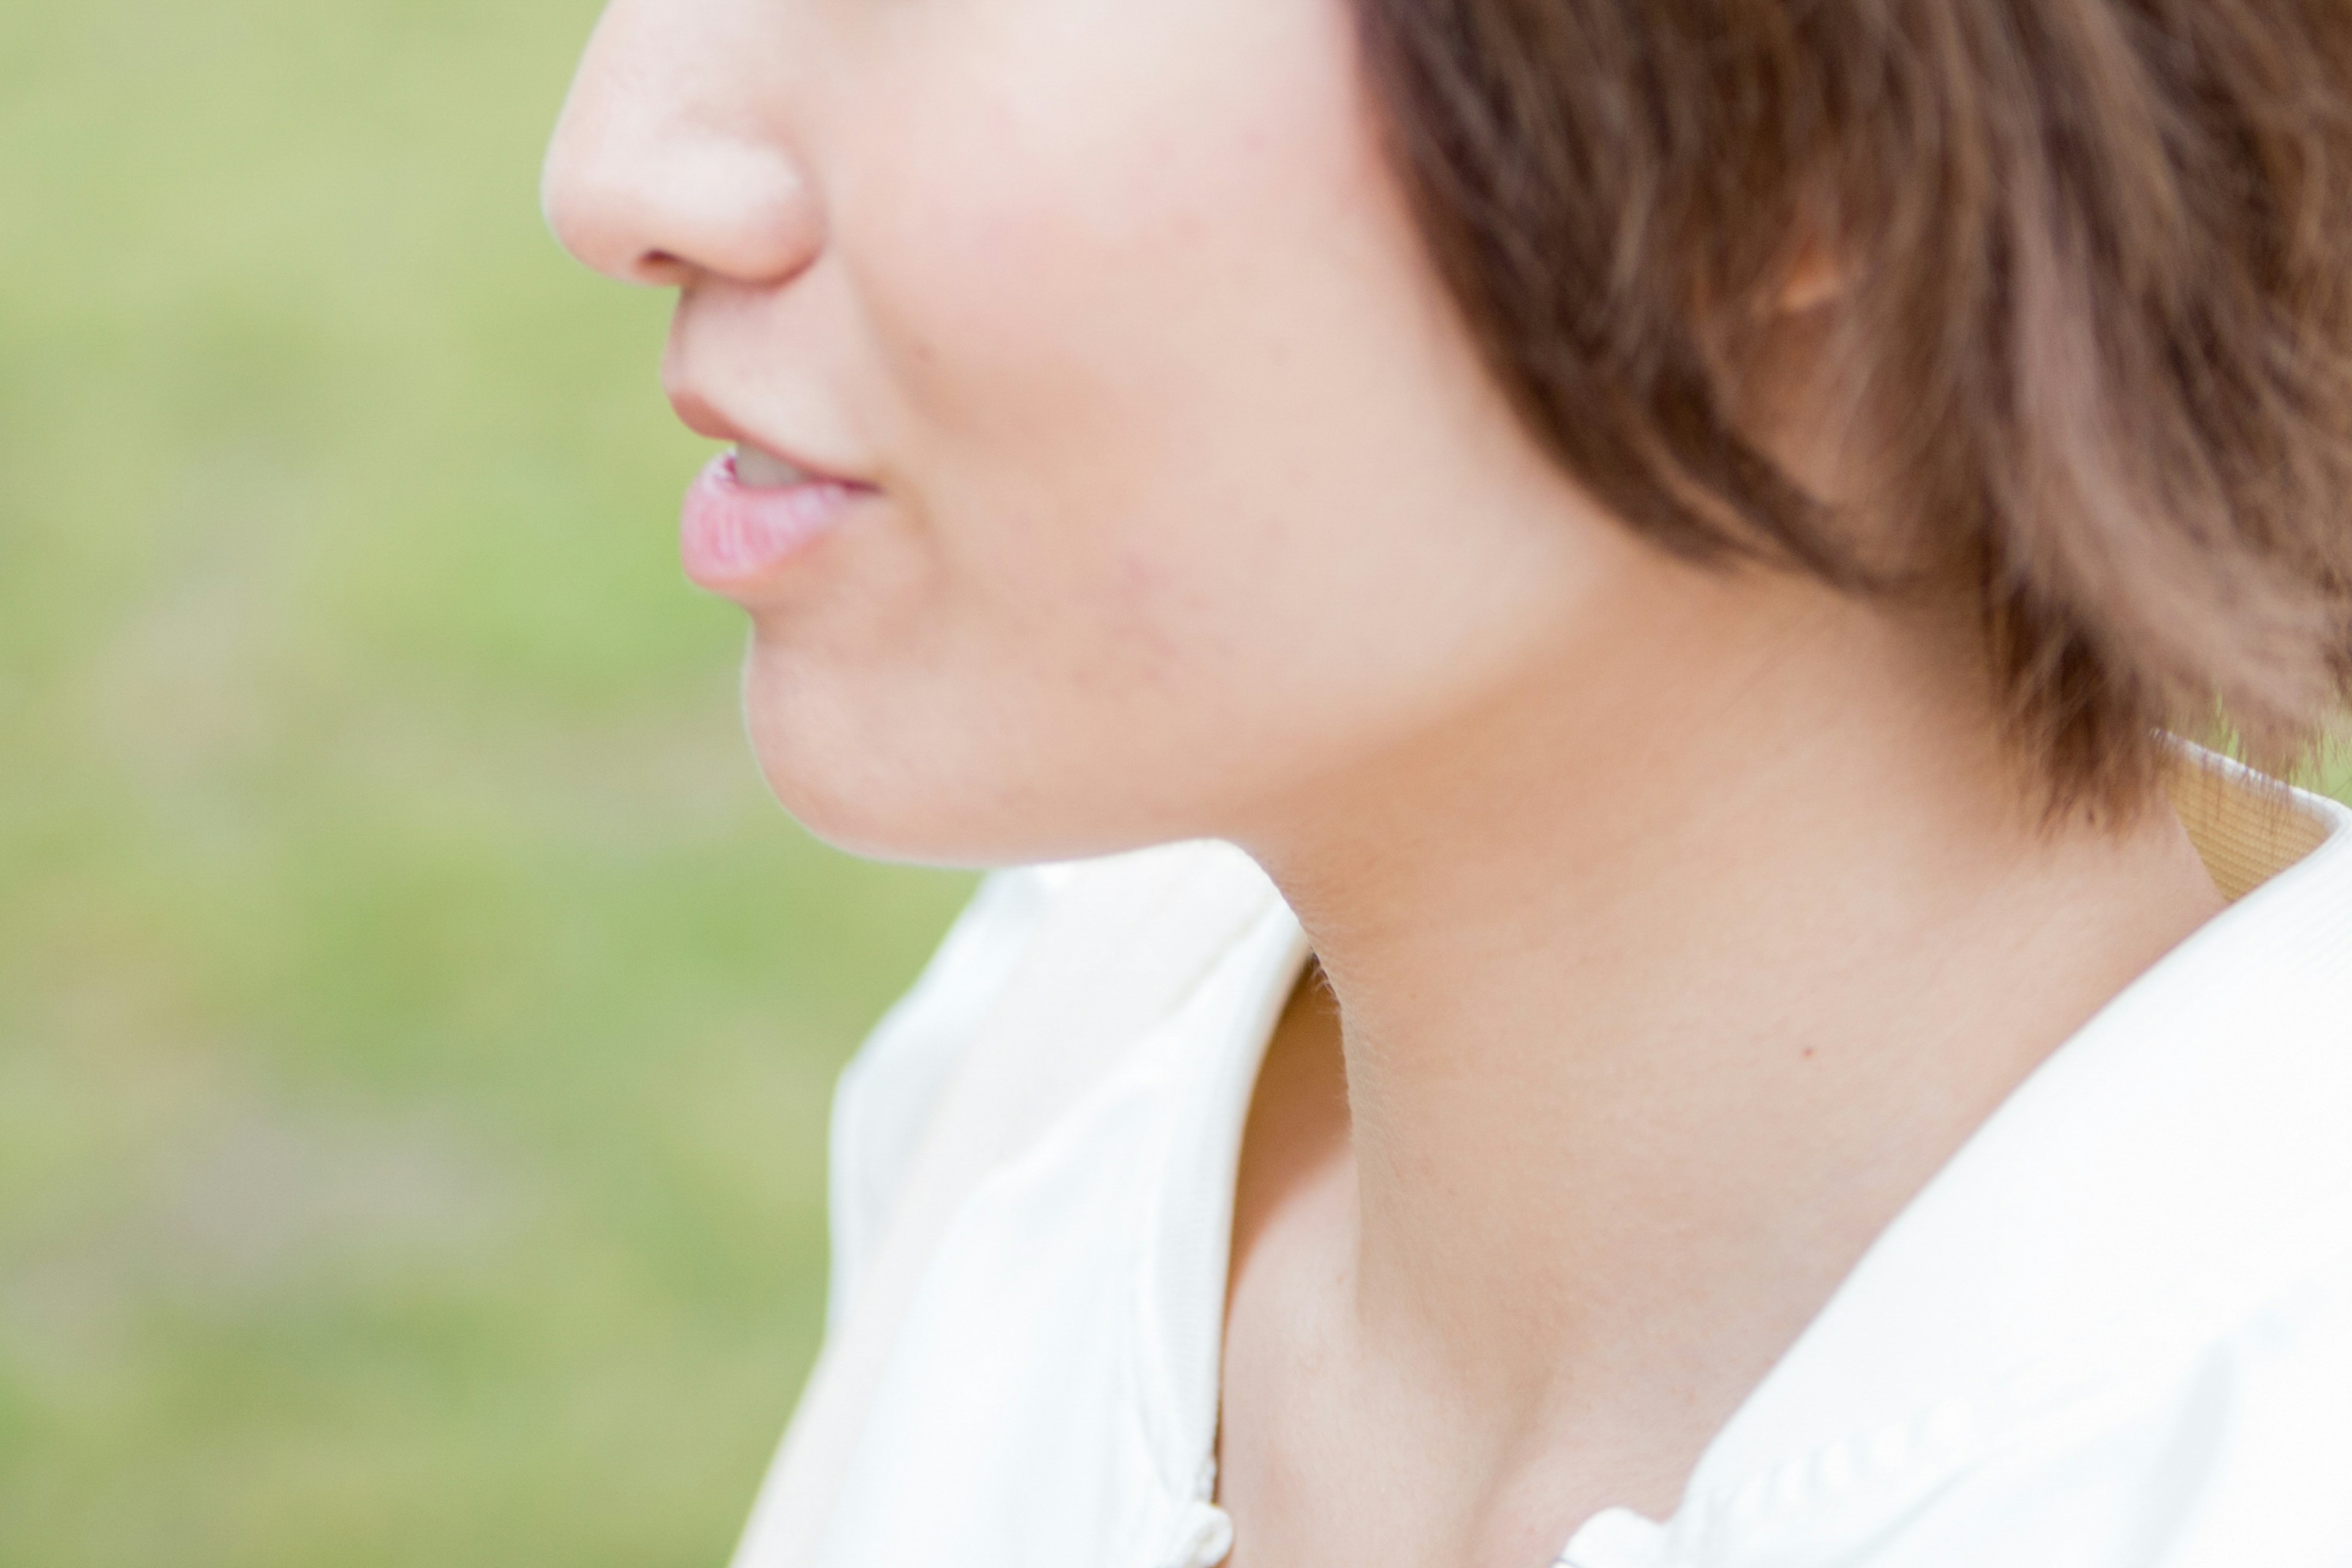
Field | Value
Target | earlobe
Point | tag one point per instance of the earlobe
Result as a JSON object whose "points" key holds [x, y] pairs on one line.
{"points": [[1817, 278]]}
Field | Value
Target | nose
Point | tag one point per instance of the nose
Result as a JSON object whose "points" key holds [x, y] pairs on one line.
{"points": [[670, 163]]}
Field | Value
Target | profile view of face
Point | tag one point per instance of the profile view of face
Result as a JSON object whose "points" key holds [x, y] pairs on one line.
{"points": [[1170, 488]]}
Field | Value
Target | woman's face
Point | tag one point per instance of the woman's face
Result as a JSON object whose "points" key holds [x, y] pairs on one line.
{"points": [[1189, 494]]}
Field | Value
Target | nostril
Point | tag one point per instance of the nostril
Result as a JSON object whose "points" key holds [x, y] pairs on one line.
{"points": [[645, 199], [667, 165], [661, 267]]}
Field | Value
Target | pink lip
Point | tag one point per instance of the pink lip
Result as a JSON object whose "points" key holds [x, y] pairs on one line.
{"points": [[730, 533]]}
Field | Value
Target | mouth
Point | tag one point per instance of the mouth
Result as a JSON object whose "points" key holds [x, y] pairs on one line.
{"points": [[762, 471], [758, 511], [763, 459], [751, 516]]}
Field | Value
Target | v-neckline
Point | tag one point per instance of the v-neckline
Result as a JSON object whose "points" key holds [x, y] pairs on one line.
{"points": [[1612, 1537], [2229, 815]]}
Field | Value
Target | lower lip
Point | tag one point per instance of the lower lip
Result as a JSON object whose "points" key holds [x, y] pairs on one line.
{"points": [[732, 534]]}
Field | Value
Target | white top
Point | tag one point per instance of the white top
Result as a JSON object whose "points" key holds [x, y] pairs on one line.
{"points": [[2116, 1329]]}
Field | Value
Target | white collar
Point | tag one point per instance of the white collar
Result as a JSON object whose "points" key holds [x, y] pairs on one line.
{"points": [[2169, 1160], [2166, 1160]]}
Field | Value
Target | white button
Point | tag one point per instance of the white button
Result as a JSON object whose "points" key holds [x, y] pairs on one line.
{"points": [[1203, 1537]]}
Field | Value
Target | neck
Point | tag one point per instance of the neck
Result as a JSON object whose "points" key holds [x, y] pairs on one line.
{"points": [[1649, 1029]]}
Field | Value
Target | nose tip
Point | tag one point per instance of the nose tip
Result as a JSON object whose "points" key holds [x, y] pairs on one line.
{"points": [[647, 187], [601, 223], [588, 209]]}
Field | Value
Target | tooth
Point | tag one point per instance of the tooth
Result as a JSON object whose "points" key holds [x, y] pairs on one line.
{"points": [[763, 472]]}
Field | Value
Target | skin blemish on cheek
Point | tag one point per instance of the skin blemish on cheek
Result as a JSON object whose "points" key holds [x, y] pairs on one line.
{"points": [[1149, 604]]}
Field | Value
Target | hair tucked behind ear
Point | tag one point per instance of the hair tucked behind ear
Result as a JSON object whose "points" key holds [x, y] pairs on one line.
{"points": [[2093, 297]]}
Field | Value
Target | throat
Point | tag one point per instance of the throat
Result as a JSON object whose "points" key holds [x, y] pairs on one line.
{"points": [[1561, 1235]]}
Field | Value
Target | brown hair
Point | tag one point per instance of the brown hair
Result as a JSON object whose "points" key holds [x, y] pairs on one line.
{"points": [[2093, 265]]}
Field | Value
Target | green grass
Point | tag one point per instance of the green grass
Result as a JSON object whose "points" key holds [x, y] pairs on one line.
{"points": [[416, 1021]]}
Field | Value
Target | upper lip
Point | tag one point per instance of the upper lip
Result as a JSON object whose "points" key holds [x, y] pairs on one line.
{"points": [[704, 417]]}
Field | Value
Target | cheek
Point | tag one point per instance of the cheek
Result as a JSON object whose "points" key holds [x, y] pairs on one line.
{"points": [[1052, 229], [1076, 252], [1173, 405]]}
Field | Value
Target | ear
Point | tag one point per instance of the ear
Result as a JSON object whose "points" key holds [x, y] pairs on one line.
{"points": [[1817, 278]]}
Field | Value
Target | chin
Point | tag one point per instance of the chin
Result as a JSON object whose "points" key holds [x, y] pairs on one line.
{"points": [[843, 798], [876, 830], [871, 798], [845, 775], [928, 773]]}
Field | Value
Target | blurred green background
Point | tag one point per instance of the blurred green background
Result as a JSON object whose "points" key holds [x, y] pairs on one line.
{"points": [[416, 1022]]}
